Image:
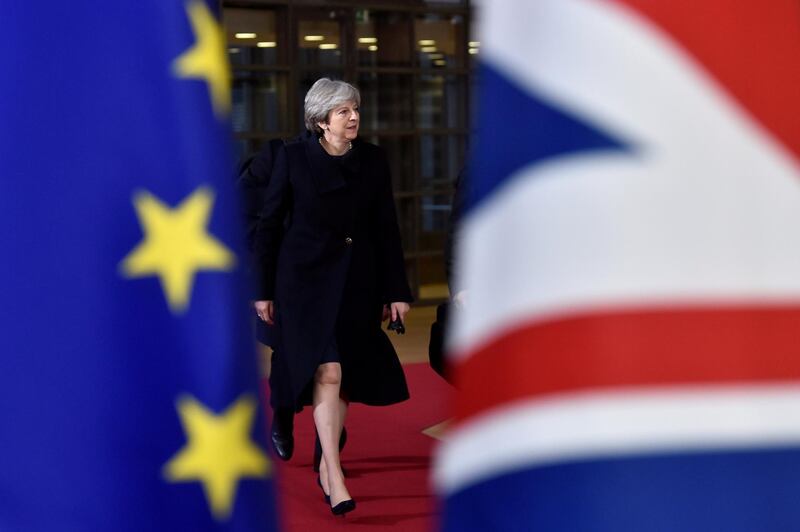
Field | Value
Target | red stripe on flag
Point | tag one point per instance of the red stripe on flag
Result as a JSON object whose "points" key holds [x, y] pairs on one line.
{"points": [[674, 347], [751, 46]]}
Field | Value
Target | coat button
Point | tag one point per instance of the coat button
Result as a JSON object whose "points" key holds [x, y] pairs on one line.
{"points": [[348, 241]]}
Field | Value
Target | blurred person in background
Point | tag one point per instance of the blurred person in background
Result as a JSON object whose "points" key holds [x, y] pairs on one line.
{"points": [[458, 294], [253, 180]]}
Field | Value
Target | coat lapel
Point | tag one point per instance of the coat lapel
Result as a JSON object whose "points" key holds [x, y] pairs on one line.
{"points": [[325, 170], [331, 173]]}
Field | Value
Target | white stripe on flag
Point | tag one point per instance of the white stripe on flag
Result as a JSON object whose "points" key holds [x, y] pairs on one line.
{"points": [[613, 424]]}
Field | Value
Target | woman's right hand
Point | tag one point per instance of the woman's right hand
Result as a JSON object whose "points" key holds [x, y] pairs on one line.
{"points": [[265, 311]]}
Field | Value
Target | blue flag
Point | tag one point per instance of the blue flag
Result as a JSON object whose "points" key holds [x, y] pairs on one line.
{"points": [[128, 383]]}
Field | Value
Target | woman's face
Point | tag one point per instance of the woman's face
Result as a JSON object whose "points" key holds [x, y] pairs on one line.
{"points": [[343, 121]]}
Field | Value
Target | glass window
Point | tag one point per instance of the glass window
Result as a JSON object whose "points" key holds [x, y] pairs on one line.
{"points": [[400, 153], [441, 101], [319, 39], [473, 49], [473, 45], [385, 101], [251, 36], [407, 219], [436, 40], [435, 215], [474, 85], [241, 150], [258, 102], [441, 158], [382, 39]]}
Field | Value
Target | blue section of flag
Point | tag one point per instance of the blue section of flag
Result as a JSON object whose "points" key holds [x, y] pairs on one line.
{"points": [[517, 129], [93, 362], [730, 491]]}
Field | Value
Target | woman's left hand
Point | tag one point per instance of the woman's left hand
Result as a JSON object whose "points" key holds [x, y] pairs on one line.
{"points": [[400, 309]]}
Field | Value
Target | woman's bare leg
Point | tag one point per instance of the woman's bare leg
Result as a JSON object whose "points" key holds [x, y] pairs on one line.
{"points": [[329, 411], [323, 472]]}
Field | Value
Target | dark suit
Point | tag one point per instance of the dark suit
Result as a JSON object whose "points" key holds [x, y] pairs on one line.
{"points": [[252, 183], [331, 268], [436, 354]]}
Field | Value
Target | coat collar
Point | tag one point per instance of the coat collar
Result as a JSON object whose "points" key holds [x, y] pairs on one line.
{"points": [[331, 173]]}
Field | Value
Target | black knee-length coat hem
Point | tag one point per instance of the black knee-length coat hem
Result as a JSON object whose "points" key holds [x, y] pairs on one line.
{"points": [[329, 254]]}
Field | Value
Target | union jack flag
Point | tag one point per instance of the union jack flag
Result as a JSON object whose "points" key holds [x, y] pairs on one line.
{"points": [[629, 357]]}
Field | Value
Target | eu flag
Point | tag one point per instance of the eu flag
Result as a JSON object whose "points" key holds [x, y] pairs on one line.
{"points": [[128, 383]]}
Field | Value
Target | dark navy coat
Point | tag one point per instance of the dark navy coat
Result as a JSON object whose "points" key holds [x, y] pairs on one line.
{"points": [[252, 184], [328, 253]]}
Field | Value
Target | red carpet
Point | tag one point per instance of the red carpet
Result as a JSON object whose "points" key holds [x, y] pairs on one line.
{"points": [[387, 461]]}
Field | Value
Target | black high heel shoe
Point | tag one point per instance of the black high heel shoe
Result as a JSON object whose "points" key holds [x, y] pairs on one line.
{"points": [[327, 497], [343, 507]]}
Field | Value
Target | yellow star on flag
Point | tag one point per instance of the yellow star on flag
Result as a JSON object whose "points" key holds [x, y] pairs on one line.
{"points": [[176, 245], [218, 453], [207, 59]]}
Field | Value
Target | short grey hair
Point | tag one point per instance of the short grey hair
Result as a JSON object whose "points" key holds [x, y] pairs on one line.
{"points": [[324, 96]]}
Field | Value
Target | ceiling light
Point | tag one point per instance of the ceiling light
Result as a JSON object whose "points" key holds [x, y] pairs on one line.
{"points": [[373, 48], [328, 46], [367, 40], [426, 42], [245, 35], [313, 38], [474, 44], [428, 49], [440, 62], [267, 44], [473, 51]]}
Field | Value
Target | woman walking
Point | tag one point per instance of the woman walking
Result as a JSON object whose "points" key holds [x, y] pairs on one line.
{"points": [[331, 270]]}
